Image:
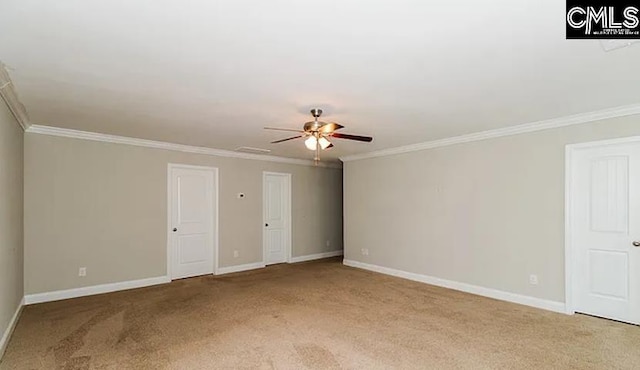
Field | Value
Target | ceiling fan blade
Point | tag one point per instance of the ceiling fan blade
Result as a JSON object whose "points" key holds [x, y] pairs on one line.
{"points": [[282, 129], [329, 147], [287, 139], [367, 139], [329, 128]]}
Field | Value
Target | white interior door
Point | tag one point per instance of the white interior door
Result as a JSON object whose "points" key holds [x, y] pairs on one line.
{"points": [[191, 223], [276, 210], [606, 225]]}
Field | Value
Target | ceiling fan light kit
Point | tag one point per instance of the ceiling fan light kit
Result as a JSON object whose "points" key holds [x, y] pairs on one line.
{"points": [[324, 143], [317, 134], [312, 142]]}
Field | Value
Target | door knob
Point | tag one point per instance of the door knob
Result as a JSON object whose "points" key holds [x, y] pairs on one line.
{"points": [[175, 229], [266, 225], [636, 244]]}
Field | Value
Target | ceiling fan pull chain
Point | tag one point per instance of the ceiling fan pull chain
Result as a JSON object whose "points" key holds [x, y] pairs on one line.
{"points": [[317, 159]]}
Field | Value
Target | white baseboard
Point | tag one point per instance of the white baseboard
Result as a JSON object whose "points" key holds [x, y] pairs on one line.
{"points": [[95, 289], [317, 256], [259, 265], [239, 268], [9, 330], [463, 287]]}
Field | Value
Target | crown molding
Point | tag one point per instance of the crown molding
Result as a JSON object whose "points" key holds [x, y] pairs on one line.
{"points": [[10, 97], [627, 110], [115, 139]]}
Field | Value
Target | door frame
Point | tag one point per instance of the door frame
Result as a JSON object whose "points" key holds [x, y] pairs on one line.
{"points": [[216, 207], [287, 216], [569, 248]]}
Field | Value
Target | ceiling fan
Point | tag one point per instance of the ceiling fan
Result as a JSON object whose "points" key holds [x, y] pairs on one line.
{"points": [[318, 133]]}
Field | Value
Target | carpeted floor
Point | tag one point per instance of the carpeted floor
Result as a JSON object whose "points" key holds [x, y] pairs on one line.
{"points": [[317, 315]]}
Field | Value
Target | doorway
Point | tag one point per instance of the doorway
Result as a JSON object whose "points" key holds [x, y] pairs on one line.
{"points": [[276, 237], [192, 220], [602, 261]]}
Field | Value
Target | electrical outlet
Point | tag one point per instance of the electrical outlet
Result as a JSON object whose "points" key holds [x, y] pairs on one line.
{"points": [[365, 251], [236, 254], [82, 271], [533, 279], [328, 243]]}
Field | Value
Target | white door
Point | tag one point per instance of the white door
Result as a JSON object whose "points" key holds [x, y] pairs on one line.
{"points": [[606, 231], [192, 204], [276, 198]]}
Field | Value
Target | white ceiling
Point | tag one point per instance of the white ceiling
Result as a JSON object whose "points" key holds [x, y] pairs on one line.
{"points": [[213, 73]]}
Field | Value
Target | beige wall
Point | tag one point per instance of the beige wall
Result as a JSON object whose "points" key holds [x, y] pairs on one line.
{"points": [[104, 206], [487, 213], [11, 220]]}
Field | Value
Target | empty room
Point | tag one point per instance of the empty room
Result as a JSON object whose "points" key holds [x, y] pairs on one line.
{"points": [[319, 184]]}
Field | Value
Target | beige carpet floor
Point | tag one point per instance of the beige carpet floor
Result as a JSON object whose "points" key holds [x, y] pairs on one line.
{"points": [[317, 315]]}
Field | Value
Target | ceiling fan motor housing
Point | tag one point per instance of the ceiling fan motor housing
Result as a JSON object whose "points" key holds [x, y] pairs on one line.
{"points": [[314, 126]]}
